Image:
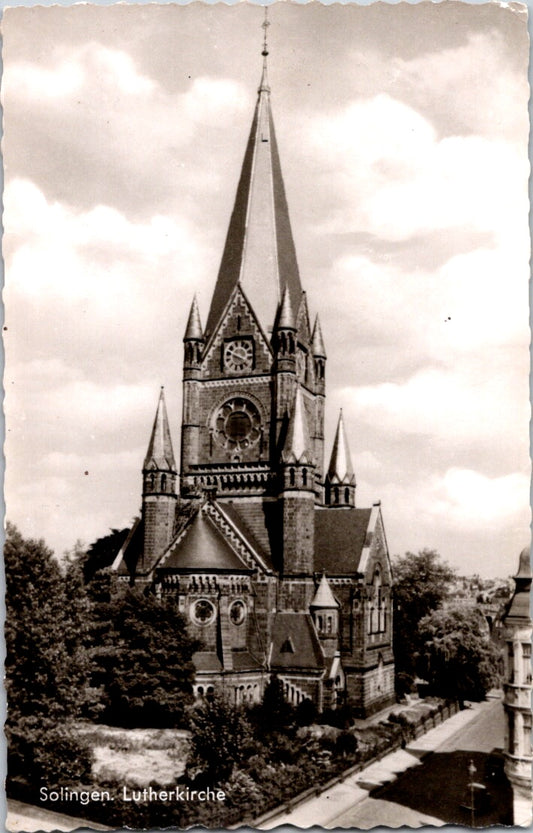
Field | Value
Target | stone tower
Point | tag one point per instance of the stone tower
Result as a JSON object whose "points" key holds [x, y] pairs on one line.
{"points": [[517, 631], [159, 488]]}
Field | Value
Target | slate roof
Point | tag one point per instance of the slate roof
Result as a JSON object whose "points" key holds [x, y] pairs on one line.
{"points": [[131, 551], [193, 330], [324, 598], [160, 454], [245, 661], [518, 609], [206, 661], [297, 442], [340, 536], [202, 547], [260, 174], [295, 643], [341, 467], [260, 524]]}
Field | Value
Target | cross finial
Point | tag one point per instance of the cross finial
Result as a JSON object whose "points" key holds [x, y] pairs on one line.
{"points": [[263, 87], [265, 24]]}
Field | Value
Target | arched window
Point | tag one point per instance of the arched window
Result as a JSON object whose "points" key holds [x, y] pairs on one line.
{"points": [[304, 477], [336, 492], [291, 475], [163, 482], [152, 481], [346, 495]]}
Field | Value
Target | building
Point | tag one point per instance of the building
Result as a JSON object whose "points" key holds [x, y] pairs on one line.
{"points": [[261, 545], [517, 631]]}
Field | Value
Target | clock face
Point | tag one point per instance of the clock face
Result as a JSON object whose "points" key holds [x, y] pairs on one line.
{"points": [[238, 355], [237, 424]]}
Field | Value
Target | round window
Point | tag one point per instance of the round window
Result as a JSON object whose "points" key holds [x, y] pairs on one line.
{"points": [[203, 612], [237, 612]]}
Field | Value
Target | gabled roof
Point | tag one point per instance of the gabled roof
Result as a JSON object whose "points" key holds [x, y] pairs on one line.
{"points": [[340, 538], [201, 547], [160, 454], [297, 631], [259, 250], [129, 557], [340, 466], [324, 598], [259, 524]]}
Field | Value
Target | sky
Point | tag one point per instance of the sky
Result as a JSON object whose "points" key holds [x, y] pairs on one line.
{"points": [[402, 132]]}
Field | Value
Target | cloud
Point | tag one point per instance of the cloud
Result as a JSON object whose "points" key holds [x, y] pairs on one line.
{"points": [[461, 406], [394, 177], [112, 118]]}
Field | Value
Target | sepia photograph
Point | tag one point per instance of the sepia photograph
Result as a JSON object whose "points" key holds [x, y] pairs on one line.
{"points": [[267, 486]]}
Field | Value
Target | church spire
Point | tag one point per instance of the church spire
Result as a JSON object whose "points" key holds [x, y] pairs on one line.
{"points": [[340, 479], [340, 466], [259, 251], [297, 445], [160, 455], [193, 331]]}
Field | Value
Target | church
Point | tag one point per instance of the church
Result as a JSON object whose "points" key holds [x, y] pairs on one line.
{"points": [[258, 542]]}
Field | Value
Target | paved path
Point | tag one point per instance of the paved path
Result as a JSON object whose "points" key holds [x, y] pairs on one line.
{"points": [[336, 806]]}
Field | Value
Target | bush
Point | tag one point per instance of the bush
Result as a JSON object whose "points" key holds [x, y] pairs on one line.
{"points": [[346, 744], [43, 754]]}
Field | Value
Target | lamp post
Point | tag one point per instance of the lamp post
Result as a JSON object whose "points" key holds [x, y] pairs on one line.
{"points": [[472, 772]]}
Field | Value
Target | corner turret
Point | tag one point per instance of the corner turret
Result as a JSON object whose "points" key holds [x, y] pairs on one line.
{"points": [[159, 489], [340, 478]]}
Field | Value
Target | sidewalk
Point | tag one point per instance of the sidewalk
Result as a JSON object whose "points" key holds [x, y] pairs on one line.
{"points": [[28, 818], [317, 812]]}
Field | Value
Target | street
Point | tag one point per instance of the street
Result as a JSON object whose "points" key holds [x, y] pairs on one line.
{"points": [[432, 793], [423, 784]]}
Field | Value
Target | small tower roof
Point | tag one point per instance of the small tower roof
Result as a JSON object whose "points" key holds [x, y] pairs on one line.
{"points": [[340, 466], [193, 330], [518, 610], [286, 315], [160, 454], [318, 341], [524, 565], [323, 596], [297, 443]]}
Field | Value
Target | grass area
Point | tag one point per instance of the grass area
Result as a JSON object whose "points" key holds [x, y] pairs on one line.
{"points": [[136, 757]]}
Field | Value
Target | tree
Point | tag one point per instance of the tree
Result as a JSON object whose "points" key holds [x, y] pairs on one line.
{"points": [[421, 582], [46, 670], [221, 739], [457, 656], [102, 552], [46, 667], [276, 713], [141, 655]]}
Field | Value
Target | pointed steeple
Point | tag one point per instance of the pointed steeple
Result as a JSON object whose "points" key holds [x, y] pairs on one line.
{"points": [[297, 445], [193, 331], [324, 598], [286, 316], [340, 467], [317, 341], [259, 250], [160, 454]]}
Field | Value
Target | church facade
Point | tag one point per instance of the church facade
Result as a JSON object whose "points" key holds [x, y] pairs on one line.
{"points": [[259, 543]]}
